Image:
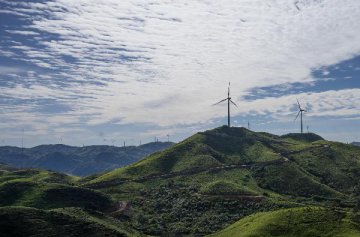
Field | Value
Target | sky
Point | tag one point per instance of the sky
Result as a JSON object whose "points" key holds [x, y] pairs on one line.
{"points": [[83, 72]]}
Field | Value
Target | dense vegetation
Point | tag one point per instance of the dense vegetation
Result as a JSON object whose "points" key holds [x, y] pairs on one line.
{"points": [[208, 182], [21, 221]]}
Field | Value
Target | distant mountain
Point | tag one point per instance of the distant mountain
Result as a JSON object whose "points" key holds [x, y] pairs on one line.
{"points": [[80, 161], [355, 143]]}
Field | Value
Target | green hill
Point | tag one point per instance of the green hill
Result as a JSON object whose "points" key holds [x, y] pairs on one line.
{"points": [[216, 177], [298, 165], [295, 222], [46, 189], [218, 147]]}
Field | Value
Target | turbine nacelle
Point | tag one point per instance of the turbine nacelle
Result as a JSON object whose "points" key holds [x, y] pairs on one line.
{"points": [[301, 110], [228, 99]]}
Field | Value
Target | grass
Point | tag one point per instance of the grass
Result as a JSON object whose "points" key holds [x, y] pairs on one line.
{"points": [[47, 196], [288, 179], [99, 218], [36, 175], [223, 187], [295, 222]]}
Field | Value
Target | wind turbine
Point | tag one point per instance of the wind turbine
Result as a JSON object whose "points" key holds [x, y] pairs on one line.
{"points": [[301, 110], [228, 101]]}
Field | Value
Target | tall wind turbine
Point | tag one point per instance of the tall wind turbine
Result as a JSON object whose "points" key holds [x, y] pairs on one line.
{"points": [[228, 101], [301, 110]]}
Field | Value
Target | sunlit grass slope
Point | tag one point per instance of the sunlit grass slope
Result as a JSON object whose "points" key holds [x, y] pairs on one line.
{"points": [[46, 189], [295, 222]]}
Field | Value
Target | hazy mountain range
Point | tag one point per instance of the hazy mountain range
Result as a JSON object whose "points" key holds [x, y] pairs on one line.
{"points": [[78, 161]]}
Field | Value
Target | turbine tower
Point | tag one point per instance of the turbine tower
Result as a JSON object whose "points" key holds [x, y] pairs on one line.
{"points": [[301, 110], [228, 101]]}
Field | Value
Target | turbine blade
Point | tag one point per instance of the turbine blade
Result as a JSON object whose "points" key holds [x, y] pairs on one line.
{"points": [[297, 115], [233, 103], [298, 103], [219, 102], [229, 90]]}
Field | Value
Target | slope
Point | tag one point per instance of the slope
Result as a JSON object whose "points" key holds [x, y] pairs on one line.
{"points": [[21, 221], [46, 189], [268, 159], [295, 222]]}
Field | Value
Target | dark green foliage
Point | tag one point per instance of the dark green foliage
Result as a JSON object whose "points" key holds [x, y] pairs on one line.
{"points": [[288, 179], [180, 210], [18, 221]]}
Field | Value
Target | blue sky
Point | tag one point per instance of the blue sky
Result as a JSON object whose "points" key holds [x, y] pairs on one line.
{"points": [[101, 72]]}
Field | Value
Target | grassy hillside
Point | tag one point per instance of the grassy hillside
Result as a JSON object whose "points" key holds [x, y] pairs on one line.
{"points": [[295, 222], [46, 189], [56, 202], [295, 164], [218, 147], [8, 173]]}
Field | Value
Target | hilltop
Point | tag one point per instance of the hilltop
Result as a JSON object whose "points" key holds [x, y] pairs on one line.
{"points": [[80, 161]]}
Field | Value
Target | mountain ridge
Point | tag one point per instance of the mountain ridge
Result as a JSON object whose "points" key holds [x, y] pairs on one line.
{"points": [[79, 161]]}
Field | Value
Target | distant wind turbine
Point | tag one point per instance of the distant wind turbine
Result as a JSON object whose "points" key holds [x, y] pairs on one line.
{"points": [[22, 139], [301, 110], [228, 101]]}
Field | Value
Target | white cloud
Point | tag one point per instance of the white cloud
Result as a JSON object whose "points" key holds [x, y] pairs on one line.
{"points": [[165, 62], [22, 32]]}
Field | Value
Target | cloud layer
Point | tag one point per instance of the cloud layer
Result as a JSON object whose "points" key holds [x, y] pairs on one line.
{"points": [[165, 62]]}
